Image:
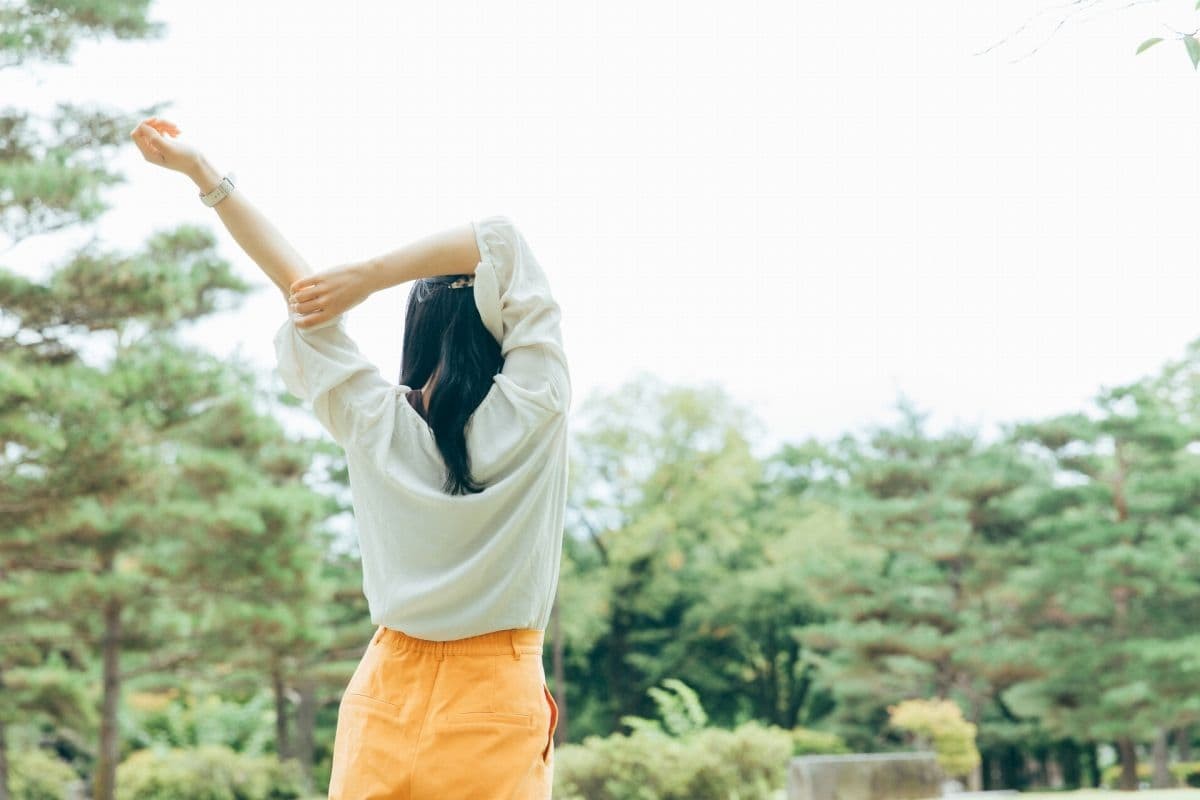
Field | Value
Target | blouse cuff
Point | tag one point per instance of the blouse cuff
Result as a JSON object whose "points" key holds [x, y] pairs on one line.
{"points": [[487, 287]]}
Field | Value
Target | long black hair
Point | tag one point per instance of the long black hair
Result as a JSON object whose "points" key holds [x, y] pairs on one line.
{"points": [[444, 336]]}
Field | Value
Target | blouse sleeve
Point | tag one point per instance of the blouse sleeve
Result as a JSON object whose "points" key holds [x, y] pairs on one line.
{"points": [[323, 366], [514, 300]]}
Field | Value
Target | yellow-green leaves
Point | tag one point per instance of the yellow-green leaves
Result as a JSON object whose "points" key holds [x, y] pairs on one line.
{"points": [[1146, 45], [1193, 49], [1189, 42]]}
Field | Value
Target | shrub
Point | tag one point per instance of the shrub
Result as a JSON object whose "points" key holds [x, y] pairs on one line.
{"points": [[748, 763], [942, 722], [38, 775], [209, 772], [168, 720], [1186, 772], [1110, 776], [808, 742], [676, 758]]}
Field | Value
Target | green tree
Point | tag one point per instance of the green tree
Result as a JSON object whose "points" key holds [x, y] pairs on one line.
{"points": [[1111, 586], [664, 485], [153, 514], [914, 590]]}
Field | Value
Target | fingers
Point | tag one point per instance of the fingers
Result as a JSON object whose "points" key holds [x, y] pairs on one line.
{"points": [[163, 126], [311, 319], [302, 283], [308, 317], [309, 306], [145, 142], [307, 294]]}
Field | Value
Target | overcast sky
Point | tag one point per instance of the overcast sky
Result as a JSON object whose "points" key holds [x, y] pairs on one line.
{"points": [[814, 205]]}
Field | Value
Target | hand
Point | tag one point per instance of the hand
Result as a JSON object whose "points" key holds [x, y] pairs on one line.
{"points": [[327, 294], [151, 138]]}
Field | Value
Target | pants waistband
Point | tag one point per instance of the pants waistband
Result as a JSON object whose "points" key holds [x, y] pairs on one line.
{"points": [[512, 640]]}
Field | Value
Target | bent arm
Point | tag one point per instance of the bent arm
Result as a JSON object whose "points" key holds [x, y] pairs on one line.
{"points": [[253, 232], [451, 251]]}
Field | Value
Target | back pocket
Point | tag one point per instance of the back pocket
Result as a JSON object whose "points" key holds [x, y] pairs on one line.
{"points": [[488, 718]]}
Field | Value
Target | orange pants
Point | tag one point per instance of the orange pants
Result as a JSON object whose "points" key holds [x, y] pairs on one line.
{"points": [[427, 720]]}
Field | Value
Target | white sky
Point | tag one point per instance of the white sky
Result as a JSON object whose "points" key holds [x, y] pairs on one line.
{"points": [[816, 205]]}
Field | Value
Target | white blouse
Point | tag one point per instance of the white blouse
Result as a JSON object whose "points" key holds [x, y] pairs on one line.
{"points": [[440, 566]]}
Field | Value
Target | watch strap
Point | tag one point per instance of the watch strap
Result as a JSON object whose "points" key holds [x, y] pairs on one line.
{"points": [[220, 192]]}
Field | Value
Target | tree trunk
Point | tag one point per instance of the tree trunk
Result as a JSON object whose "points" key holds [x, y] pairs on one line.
{"points": [[975, 777], [1091, 751], [282, 745], [1067, 754], [1183, 742], [1054, 775], [1162, 776], [1033, 770], [1128, 754], [617, 675], [560, 681], [1011, 774], [306, 723], [105, 779], [3, 759], [1041, 765]]}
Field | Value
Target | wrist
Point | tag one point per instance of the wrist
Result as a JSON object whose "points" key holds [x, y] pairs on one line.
{"points": [[204, 174], [369, 276]]}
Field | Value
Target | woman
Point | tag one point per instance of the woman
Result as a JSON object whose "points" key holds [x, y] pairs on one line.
{"points": [[458, 475]]}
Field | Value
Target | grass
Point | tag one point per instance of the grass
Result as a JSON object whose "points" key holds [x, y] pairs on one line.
{"points": [[1110, 794]]}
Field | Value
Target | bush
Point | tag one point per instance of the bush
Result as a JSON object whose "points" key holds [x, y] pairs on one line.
{"points": [[210, 772], [676, 759], [748, 763], [1186, 772], [1110, 776], [807, 742], [38, 775], [942, 722], [168, 720]]}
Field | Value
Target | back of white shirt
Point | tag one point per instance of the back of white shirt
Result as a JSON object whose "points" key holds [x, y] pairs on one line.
{"points": [[440, 566]]}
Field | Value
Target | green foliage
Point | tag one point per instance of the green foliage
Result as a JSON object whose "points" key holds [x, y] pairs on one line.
{"points": [[1146, 45], [1193, 49], [808, 742], [248, 728], [1110, 776], [1190, 45], [1186, 772], [676, 758], [680, 710], [210, 772], [747, 763], [941, 721], [38, 775]]}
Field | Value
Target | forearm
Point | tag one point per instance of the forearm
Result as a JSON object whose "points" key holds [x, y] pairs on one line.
{"points": [[448, 252], [253, 232]]}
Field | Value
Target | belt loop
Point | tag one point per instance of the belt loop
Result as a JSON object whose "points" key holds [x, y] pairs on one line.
{"points": [[512, 637], [441, 650], [378, 635]]}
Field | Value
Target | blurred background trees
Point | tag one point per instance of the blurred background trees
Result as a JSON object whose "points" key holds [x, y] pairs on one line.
{"points": [[172, 612]]}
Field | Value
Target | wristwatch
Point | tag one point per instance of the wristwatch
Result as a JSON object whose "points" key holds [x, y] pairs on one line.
{"points": [[221, 191]]}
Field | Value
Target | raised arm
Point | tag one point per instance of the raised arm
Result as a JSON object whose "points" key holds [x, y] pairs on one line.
{"points": [[253, 232], [448, 252], [327, 294]]}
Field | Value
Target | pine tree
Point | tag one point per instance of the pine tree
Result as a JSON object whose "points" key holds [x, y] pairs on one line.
{"points": [[152, 516], [1111, 586]]}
